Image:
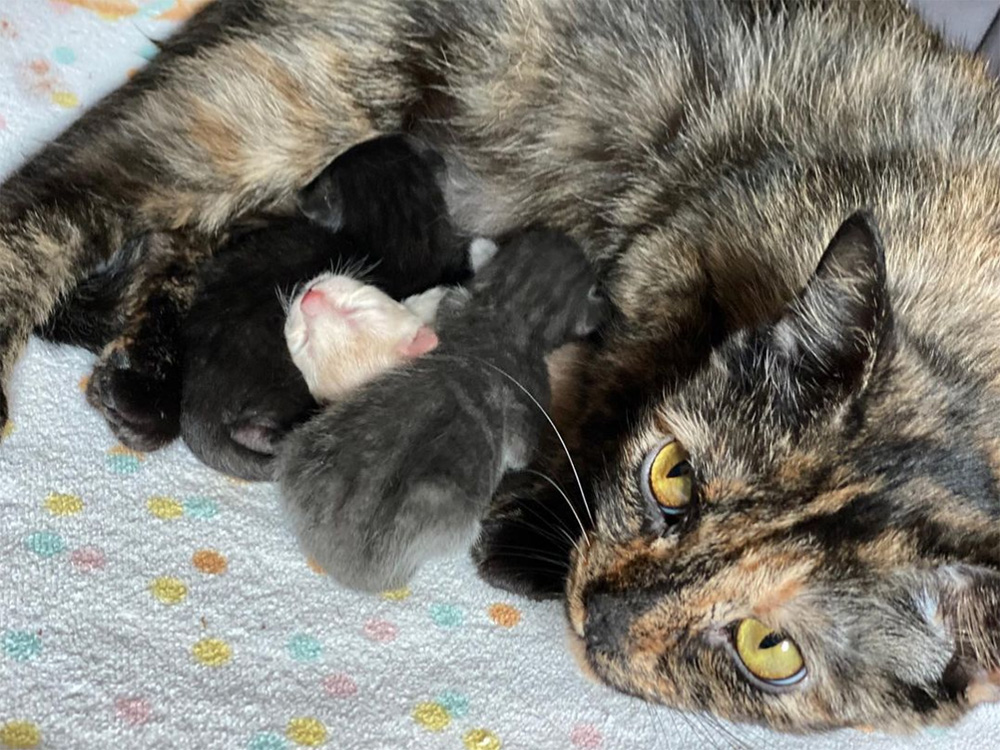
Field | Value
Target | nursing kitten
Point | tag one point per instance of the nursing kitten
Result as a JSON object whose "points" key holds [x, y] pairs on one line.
{"points": [[341, 332], [403, 469], [707, 151]]}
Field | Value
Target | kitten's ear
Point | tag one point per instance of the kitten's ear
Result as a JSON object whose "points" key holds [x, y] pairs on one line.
{"points": [[423, 341], [965, 601], [322, 201], [260, 437], [830, 335]]}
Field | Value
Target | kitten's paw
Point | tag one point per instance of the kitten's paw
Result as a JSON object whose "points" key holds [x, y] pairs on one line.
{"points": [[141, 405]]}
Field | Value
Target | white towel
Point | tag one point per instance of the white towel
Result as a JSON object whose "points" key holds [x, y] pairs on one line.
{"points": [[148, 602]]}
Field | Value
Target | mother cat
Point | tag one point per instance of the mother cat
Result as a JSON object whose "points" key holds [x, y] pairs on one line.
{"points": [[792, 463]]}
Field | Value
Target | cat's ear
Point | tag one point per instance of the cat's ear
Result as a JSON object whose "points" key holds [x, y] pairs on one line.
{"points": [[423, 341], [964, 602], [322, 201], [831, 333]]}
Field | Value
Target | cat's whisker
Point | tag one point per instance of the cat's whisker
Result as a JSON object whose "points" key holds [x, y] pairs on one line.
{"points": [[569, 457], [565, 497]]}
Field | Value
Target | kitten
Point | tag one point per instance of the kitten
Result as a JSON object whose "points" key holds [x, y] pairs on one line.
{"points": [[341, 332], [403, 470], [378, 204]]}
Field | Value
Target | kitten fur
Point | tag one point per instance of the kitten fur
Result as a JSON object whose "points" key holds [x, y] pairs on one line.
{"points": [[403, 469], [707, 152]]}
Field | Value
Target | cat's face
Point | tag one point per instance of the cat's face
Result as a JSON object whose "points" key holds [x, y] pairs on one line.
{"points": [[807, 532]]}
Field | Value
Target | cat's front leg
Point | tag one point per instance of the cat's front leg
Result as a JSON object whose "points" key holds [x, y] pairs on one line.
{"points": [[240, 109]]}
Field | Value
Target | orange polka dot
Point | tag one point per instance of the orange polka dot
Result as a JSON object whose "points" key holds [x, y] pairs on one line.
{"points": [[84, 382], [505, 615], [314, 566], [209, 561]]}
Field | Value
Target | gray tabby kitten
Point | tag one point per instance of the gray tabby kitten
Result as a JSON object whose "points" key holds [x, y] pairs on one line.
{"points": [[404, 470]]}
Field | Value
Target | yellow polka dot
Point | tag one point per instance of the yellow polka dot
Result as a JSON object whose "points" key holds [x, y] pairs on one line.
{"points": [[481, 739], [65, 99], [505, 615], [63, 505], [306, 730], [212, 652], [432, 716], [396, 595], [168, 590], [237, 481], [7, 431], [20, 735], [165, 508]]}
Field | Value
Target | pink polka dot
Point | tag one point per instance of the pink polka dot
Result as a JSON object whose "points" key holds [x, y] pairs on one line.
{"points": [[340, 686], [380, 631], [87, 559], [585, 736], [134, 711], [3, 123]]}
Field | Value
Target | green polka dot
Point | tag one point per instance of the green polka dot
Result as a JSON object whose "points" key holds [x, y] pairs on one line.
{"points": [[64, 55], [304, 647], [201, 507], [45, 544], [267, 741], [148, 51], [123, 464], [21, 645], [454, 703], [446, 615]]}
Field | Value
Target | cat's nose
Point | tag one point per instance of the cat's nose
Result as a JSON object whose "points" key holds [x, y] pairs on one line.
{"points": [[607, 622]]}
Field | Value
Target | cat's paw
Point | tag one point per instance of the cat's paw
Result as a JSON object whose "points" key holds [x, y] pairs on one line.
{"points": [[524, 542], [140, 404], [4, 411]]}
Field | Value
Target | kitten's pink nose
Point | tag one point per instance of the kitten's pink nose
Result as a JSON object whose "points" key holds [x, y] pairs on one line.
{"points": [[313, 303]]}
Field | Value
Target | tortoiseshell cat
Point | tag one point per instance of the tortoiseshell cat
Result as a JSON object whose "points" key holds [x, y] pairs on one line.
{"points": [[827, 460]]}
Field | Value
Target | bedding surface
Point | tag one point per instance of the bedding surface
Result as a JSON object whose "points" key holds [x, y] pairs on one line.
{"points": [[147, 602]]}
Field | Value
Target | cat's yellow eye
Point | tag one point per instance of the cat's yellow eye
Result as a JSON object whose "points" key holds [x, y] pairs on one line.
{"points": [[768, 655], [668, 478]]}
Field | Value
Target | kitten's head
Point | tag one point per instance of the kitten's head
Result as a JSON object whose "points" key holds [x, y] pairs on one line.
{"points": [[807, 532], [342, 332], [541, 282]]}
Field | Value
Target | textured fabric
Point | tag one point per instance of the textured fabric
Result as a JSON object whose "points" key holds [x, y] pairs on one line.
{"points": [[147, 602]]}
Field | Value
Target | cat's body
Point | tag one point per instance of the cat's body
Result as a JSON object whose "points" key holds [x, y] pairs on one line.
{"points": [[707, 152], [403, 469]]}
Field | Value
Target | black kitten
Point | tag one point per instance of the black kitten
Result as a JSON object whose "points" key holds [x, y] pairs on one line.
{"points": [[378, 206], [403, 469]]}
